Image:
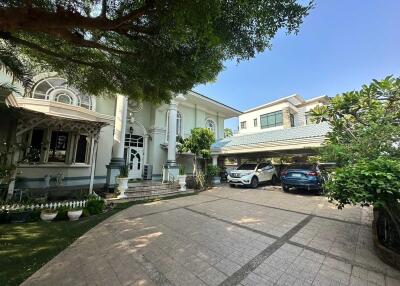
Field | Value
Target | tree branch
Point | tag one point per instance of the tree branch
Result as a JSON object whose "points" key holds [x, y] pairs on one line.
{"points": [[18, 41]]}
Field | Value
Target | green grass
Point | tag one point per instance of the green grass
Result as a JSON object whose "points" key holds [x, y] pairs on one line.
{"points": [[25, 247]]}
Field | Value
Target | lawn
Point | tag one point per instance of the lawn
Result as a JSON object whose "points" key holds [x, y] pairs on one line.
{"points": [[26, 247]]}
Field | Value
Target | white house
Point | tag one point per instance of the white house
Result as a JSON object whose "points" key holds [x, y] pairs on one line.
{"points": [[278, 128], [55, 130]]}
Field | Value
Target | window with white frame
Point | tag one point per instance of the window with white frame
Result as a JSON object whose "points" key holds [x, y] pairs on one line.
{"points": [[243, 125], [178, 125], [57, 89], [210, 125]]}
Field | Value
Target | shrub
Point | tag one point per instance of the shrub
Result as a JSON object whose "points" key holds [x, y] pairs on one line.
{"points": [[62, 213], [95, 206], [124, 171]]}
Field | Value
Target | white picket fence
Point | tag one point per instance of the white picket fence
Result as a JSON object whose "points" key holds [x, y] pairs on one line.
{"points": [[55, 205]]}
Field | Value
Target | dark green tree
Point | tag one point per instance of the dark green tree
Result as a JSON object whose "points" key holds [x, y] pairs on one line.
{"points": [[365, 143], [141, 48]]}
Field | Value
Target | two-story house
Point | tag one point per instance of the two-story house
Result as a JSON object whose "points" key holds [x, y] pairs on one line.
{"points": [[55, 132], [278, 128]]}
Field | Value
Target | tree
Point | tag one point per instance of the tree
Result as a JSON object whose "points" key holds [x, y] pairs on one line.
{"points": [[199, 143], [365, 143], [141, 48], [228, 132]]}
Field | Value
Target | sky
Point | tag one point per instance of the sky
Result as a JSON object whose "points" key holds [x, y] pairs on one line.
{"points": [[341, 45]]}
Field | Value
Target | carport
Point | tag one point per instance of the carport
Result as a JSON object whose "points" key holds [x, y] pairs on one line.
{"points": [[302, 141]]}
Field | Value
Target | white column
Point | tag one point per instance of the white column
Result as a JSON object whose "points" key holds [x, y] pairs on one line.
{"points": [[172, 115], [145, 149], [215, 160], [120, 127]]}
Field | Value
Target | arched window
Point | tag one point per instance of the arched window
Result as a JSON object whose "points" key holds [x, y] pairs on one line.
{"points": [[210, 125], [178, 125], [57, 89]]}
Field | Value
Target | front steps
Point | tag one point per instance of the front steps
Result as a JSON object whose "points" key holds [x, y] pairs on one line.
{"points": [[147, 190]]}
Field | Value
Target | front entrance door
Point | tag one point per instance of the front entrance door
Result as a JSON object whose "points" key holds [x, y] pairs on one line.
{"points": [[134, 155]]}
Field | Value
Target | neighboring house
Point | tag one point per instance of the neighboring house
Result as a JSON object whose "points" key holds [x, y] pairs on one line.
{"points": [[278, 128], [54, 129]]}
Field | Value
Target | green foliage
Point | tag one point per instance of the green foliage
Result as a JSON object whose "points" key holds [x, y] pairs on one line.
{"points": [[228, 132], [366, 182], [365, 144], [212, 171], [182, 170], [144, 49], [62, 213], [200, 181], [95, 206], [124, 171], [199, 142]]}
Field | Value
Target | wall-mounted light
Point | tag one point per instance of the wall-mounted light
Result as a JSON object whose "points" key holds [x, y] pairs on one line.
{"points": [[131, 130]]}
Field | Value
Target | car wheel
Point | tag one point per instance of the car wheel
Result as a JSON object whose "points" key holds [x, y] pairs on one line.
{"points": [[254, 182], [274, 180], [285, 188]]}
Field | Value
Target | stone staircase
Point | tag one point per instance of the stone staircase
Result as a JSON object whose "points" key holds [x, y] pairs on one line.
{"points": [[151, 190]]}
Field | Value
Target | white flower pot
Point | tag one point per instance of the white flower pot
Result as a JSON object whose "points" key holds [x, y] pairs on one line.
{"points": [[122, 187], [74, 215], [182, 182], [48, 216], [216, 180]]}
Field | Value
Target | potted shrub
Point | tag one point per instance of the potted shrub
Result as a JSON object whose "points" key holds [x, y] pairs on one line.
{"points": [[48, 214], [19, 215], [122, 181], [182, 178], [213, 174], [74, 213]]}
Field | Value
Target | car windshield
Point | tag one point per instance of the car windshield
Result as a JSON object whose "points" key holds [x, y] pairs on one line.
{"points": [[300, 167], [247, 167]]}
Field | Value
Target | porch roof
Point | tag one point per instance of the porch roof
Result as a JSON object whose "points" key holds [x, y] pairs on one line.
{"points": [[307, 136]]}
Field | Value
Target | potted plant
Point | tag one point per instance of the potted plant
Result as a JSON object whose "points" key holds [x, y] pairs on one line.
{"points": [[182, 178], [74, 213], [48, 214], [213, 174], [122, 181], [19, 215]]}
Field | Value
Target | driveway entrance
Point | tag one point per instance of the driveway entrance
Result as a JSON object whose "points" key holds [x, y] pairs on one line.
{"points": [[225, 237]]}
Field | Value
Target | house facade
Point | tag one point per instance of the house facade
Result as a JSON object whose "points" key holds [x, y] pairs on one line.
{"points": [[275, 129], [55, 132]]}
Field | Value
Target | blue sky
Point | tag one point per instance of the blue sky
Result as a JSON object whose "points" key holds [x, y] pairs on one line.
{"points": [[341, 45]]}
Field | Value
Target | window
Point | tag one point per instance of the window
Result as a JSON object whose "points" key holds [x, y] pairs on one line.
{"points": [[178, 125], [57, 89], [291, 120], [36, 145], [133, 140], [210, 125], [81, 148], [58, 146], [271, 119], [243, 125], [309, 119], [255, 122]]}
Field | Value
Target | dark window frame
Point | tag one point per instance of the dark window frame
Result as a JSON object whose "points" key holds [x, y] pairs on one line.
{"points": [[271, 115]]}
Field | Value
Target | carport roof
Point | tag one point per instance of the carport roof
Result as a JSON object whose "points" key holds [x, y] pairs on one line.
{"points": [[276, 137]]}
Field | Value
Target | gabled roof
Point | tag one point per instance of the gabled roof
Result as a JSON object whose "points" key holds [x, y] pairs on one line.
{"points": [[282, 136]]}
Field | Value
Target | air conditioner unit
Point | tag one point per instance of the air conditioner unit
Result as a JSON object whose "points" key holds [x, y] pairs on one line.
{"points": [[147, 172]]}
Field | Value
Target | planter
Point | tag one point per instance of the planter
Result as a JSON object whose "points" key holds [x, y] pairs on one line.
{"points": [[216, 180], [182, 182], [74, 215], [387, 255], [45, 216], [21, 216], [122, 187]]}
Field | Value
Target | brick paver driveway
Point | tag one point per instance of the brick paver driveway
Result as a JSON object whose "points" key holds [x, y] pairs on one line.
{"points": [[225, 237]]}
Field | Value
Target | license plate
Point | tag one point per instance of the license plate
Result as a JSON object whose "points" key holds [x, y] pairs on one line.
{"points": [[296, 175]]}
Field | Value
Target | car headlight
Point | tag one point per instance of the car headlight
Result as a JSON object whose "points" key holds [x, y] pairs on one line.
{"points": [[245, 174]]}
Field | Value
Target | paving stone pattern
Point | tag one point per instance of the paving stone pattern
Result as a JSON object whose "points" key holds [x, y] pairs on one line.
{"points": [[225, 237]]}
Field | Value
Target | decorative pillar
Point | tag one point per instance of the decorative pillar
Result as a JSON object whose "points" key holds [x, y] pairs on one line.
{"points": [[118, 159], [171, 169], [146, 149]]}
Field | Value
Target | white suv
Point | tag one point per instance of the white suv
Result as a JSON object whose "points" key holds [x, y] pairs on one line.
{"points": [[251, 174]]}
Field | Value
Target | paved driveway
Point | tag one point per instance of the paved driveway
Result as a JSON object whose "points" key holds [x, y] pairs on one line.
{"points": [[225, 237]]}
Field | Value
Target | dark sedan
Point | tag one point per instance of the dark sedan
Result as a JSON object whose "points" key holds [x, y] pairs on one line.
{"points": [[302, 177]]}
